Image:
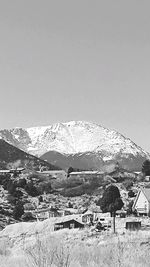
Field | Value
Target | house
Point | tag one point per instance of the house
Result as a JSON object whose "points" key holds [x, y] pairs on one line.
{"points": [[68, 211], [142, 202], [44, 213], [87, 216], [12, 171], [68, 223]]}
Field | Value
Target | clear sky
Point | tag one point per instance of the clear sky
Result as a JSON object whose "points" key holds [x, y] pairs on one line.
{"points": [[76, 60]]}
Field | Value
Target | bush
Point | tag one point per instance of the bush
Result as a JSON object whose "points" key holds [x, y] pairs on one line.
{"points": [[129, 207], [131, 194], [22, 183], [40, 199], [27, 217]]}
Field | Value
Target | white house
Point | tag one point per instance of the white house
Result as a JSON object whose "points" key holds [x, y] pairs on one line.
{"points": [[142, 202]]}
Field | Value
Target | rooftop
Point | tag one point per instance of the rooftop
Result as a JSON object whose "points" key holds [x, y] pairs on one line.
{"points": [[86, 172], [146, 192]]}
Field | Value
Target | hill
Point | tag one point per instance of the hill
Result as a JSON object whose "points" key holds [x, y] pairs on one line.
{"points": [[12, 155], [93, 161]]}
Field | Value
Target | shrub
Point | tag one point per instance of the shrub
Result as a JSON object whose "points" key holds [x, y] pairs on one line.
{"points": [[46, 253], [129, 207], [40, 199], [27, 217], [131, 194]]}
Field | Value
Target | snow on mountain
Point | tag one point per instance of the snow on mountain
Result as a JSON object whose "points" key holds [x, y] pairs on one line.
{"points": [[72, 138]]}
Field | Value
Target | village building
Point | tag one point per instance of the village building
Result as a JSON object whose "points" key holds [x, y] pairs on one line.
{"points": [[12, 171], [68, 211], [87, 217], [44, 213], [142, 202], [68, 223]]}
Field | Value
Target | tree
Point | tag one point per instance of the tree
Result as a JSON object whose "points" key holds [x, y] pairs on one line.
{"points": [[31, 189], [111, 201], [40, 199], [129, 207], [11, 187], [70, 205], [44, 187], [131, 193], [18, 210], [146, 167], [28, 216], [70, 169], [18, 194]]}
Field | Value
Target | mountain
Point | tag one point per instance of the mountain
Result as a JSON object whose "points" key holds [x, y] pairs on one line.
{"points": [[79, 143], [94, 161], [13, 155]]}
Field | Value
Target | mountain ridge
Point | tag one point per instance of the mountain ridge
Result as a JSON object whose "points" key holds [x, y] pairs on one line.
{"points": [[75, 138], [12, 155]]}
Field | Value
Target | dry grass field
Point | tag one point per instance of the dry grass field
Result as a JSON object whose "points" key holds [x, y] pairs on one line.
{"points": [[77, 248]]}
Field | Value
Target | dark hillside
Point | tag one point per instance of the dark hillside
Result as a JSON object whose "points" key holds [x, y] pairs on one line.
{"points": [[10, 154], [93, 161]]}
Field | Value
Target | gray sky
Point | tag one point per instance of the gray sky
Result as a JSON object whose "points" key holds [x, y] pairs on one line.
{"points": [[76, 60]]}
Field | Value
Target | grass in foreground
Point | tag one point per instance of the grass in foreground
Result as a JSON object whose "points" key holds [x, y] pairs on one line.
{"points": [[129, 250]]}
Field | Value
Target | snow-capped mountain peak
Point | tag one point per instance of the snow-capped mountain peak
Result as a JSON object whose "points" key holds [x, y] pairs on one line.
{"points": [[71, 138]]}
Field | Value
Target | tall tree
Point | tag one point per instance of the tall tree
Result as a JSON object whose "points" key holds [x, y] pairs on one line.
{"points": [[111, 202], [70, 169], [146, 167]]}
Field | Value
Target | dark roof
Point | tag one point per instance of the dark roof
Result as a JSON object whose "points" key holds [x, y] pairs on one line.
{"points": [[75, 217], [71, 220]]}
